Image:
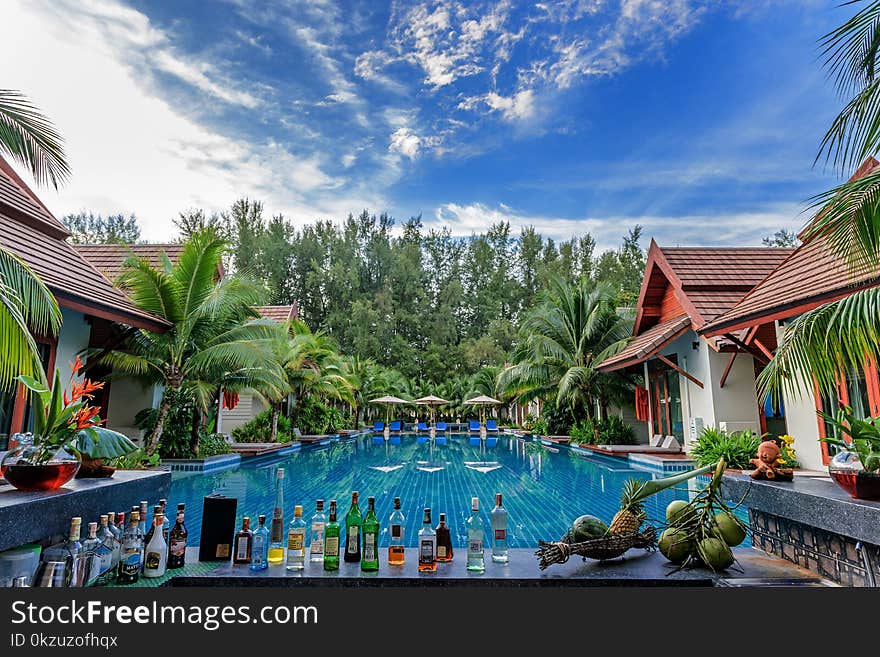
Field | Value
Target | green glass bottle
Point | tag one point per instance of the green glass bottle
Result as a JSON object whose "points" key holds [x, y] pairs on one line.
{"points": [[354, 523], [331, 540], [370, 557]]}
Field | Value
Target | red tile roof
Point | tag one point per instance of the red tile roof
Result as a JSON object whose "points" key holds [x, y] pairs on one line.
{"points": [[278, 313], [108, 258], [645, 345], [811, 276], [28, 229]]}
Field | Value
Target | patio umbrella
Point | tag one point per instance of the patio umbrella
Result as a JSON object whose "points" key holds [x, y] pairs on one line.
{"points": [[390, 400], [482, 400], [431, 400]]}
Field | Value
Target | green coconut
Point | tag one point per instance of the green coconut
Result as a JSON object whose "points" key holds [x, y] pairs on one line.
{"points": [[676, 545], [680, 514], [730, 528], [715, 553]]}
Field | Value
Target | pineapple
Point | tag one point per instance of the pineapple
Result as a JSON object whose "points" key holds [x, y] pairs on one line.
{"points": [[632, 513]]}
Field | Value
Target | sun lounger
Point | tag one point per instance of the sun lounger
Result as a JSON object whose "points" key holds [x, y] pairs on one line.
{"points": [[491, 426], [474, 441], [440, 427], [440, 440], [312, 438], [473, 426], [394, 426], [422, 439], [378, 427], [492, 441], [421, 427]]}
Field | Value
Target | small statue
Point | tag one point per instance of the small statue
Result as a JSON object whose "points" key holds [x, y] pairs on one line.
{"points": [[767, 463]]}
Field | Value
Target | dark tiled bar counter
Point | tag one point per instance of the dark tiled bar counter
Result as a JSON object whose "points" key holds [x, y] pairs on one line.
{"points": [[813, 523]]}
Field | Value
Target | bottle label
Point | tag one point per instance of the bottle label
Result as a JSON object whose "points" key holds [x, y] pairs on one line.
{"points": [[353, 540], [331, 546], [369, 547], [500, 534], [130, 564], [177, 547], [441, 551], [317, 543], [426, 551], [105, 555], [295, 541], [242, 548], [397, 531], [475, 546], [152, 561], [223, 550]]}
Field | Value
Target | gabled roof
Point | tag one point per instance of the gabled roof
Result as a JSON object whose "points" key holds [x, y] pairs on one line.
{"points": [[28, 229], [108, 258], [277, 313], [809, 277], [645, 345]]}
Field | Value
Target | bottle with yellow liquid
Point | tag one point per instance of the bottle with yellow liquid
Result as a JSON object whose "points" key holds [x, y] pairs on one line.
{"points": [[396, 526], [276, 535]]}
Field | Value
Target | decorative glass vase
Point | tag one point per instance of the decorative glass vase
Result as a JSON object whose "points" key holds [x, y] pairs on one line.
{"points": [[37, 467], [847, 471]]}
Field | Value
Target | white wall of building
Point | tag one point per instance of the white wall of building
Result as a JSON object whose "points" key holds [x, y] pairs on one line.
{"points": [[72, 338], [127, 399]]}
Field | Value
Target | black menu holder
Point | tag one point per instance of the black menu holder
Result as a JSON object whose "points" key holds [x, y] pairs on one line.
{"points": [[218, 528]]}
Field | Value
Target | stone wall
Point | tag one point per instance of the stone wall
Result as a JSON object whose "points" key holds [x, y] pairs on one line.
{"points": [[831, 555]]}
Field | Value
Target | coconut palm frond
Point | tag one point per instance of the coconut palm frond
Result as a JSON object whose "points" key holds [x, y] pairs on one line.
{"points": [[28, 137]]}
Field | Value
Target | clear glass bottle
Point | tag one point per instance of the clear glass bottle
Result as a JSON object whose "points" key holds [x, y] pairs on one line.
{"points": [[90, 549], [276, 539], [396, 530], [120, 524], [131, 551], [143, 517], [111, 524], [156, 551], [177, 541], [499, 531], [475, 538], [71, 546], [108, 552], [354, 523], [331, 540], [370, 557], [241, 549], [260, 545], [163, 503], [316, 537], [296, 540], [427, 545], [444, 540]]}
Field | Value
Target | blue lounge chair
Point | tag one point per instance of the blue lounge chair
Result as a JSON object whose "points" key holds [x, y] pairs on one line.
{"points": [[378, 439], [378, 427], [420, 440], [440, 427], [421, 427], [474, 426], [491, 426], [394, 426]]}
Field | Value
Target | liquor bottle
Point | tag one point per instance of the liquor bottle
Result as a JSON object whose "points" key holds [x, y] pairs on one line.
{"points": [[276, 539], [241, 550], [157, 509], [72, 546], [260, 545], [177, 542], [444, 540], [475, 560], [354, 523], [111, 524], [111, 544], [427, 545], [316, 538], [396, 527], [120, 524], [130, 554], [296, 540], [93, 560], [499, 531], [331, 540], [156, 552], [163, 503], [143, 516], [370, 558]]}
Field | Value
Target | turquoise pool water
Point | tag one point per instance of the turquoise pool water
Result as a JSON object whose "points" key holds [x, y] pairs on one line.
{"points": [[544, 488]]}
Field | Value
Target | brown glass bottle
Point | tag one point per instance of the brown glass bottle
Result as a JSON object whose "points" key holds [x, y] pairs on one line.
{"points": [[444, 540], [241, 551], [177, 543]]}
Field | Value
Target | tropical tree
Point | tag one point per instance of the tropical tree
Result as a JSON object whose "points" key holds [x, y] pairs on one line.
{"points": [[838, 337], [214, 339], [309, 366], [26, 305], [562, 340]]}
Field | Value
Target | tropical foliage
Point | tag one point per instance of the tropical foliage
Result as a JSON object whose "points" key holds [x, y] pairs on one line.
{"points": [[863, 435], [607, 431], [259, 429], [29, 138], [737, 448]]}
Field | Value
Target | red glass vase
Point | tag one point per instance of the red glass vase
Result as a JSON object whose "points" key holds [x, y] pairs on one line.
{"points": [[35, 467]]}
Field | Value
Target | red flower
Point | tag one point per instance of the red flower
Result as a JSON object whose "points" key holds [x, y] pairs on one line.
{"points": [[85, 415], [76, 366]]}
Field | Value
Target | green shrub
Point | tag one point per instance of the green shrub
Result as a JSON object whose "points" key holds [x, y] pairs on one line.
{"points": [[535, 425], [315, 417], [137, 460], [176, 439], [212, 444], [583, 432], [610, 431], [736, 448], [259, 429]]}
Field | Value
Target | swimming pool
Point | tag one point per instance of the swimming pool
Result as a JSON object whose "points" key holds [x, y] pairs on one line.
{"points": [[544, 488]]}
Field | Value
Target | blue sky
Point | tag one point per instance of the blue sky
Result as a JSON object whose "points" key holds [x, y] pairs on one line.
{"points": [[697, 119]]}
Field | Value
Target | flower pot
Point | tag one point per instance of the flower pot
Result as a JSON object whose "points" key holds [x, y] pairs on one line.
{"points": [[847, 472], [94, 469], [31, 467]]}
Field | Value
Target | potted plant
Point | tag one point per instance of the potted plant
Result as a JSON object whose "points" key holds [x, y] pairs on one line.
{"points": [[66, 429], [856, 468]]}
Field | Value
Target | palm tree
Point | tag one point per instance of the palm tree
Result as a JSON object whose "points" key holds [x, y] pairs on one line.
{"points": [[26, 305], [213, 339], [839, 336], [309, 366], [562, 340], [368, 380]]}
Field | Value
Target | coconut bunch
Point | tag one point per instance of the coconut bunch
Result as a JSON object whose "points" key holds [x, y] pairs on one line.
{"points": [[703, 531]]}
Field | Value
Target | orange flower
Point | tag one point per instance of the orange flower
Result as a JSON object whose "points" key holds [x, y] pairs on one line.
{"points": [[85, 415], [76, 365]]}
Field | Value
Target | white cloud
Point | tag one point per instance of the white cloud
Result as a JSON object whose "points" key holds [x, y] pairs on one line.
{"points": [[406, 142], [518, 107]]}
